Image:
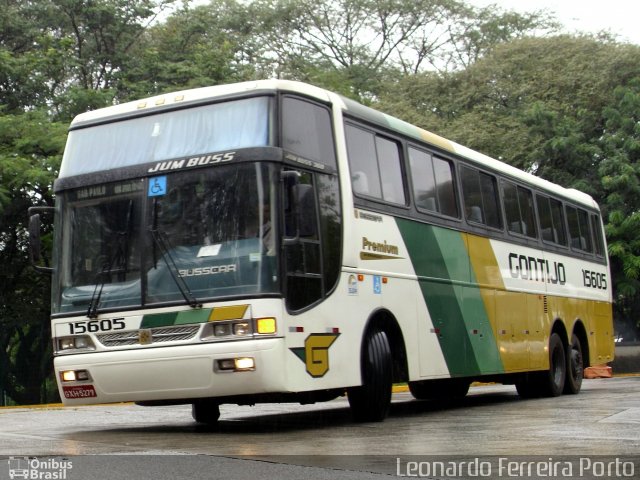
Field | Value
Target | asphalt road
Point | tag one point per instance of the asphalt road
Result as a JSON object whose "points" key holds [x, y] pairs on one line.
{"points": [[596, 427]]}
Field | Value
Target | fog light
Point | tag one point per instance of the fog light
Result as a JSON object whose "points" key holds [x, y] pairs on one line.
{"points": [[241, 329], [246, 363], [82, 342], [68, 376], [266, 326], [242, 364], [222, 329], [227, 364], [82, 375]]}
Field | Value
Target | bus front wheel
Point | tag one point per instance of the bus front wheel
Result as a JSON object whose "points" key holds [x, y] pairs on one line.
{"points": [[206, 412], [370, 402]]}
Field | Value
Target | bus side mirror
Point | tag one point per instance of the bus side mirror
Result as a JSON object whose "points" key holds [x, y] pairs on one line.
{"points": [[35, 242]]}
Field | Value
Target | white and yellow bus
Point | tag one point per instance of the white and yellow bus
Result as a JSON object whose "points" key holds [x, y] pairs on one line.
{"points": [[275, 242]]}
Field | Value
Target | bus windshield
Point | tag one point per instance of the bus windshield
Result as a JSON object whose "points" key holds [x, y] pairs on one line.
{"points": [[185, 236]]}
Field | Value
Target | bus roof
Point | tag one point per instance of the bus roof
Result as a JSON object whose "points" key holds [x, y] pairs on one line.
{"points": [[200, 95]]}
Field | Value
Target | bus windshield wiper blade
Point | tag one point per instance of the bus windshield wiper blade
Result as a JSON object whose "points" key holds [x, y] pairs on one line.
{"points": [[121, 255], [161, 243], [101, 278]]}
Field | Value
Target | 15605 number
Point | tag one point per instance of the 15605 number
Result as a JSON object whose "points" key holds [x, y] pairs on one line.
{"points": [[94, 326], [594, 279]]}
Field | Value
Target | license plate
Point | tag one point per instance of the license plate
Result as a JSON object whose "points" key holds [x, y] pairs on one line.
{"points": [[79, 391]]}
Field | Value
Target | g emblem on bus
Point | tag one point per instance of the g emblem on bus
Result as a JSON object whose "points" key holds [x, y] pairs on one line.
{"points": [[315, 353]]}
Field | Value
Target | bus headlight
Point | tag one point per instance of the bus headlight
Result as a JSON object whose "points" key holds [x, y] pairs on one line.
{"points": [[236, 329], [233, 329], [222, 329], [82, 342], [242, 329]]}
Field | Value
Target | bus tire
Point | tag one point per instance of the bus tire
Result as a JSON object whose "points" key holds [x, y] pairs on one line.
{"points": [[370, 402], [206, 412], [549, 383], [575, 367], [552, 381]]}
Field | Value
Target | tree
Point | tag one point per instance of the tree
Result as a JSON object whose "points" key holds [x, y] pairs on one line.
{"points": [[195, 47], [512, 104], [30, 152], [56, 58], [620, 174], [350, 45]]}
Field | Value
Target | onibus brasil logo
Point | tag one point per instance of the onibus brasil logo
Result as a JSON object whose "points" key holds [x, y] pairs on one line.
{"points": [[39, 469]]}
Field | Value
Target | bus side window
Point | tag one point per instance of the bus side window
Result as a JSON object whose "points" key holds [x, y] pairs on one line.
{"points": [[376, 166], [518, 208], [307, 130], [579, 229], [433, 183], [391, 171], [361, 147], [480, 197], [597, 235], [551, 220]]}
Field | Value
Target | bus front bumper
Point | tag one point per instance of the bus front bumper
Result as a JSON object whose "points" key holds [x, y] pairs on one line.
{"points": [[172, 373]]}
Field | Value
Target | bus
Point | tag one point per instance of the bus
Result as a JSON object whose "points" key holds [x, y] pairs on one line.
{"points": [[272, 241]]}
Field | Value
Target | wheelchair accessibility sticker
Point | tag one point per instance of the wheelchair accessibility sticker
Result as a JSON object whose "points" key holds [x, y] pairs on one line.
{"points": [[157, 186]]}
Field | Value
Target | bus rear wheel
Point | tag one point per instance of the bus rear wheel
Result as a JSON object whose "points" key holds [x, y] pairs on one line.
{"points": [[553, 379], [370, 402], [549, 383], [575, 367], [206, 412]]}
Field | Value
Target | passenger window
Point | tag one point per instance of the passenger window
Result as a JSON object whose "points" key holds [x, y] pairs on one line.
{"points": [[518, 206], [306, 131], [433, 183], [551, 220], [579, 229], [376, 167], [480, 197], [597, 235], [361, 149], [443, 170], [391, 171]]}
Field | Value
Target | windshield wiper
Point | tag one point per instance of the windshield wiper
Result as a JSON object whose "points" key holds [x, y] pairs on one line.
{"points": [[159, 239], [120, 257]]}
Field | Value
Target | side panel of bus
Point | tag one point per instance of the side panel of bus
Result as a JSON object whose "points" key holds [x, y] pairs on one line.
{"points": [[498, 318], [464, 303]]}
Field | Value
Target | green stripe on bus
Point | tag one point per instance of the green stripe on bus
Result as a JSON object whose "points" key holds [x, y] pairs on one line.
{"points": [[175, 318], [441, 261]]}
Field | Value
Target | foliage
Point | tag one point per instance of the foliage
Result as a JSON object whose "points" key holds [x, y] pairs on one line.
{"points": [[619, 171], [30, 152]]}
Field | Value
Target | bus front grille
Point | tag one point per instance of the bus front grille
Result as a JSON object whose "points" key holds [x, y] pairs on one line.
{"points": [[145, 337]]}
